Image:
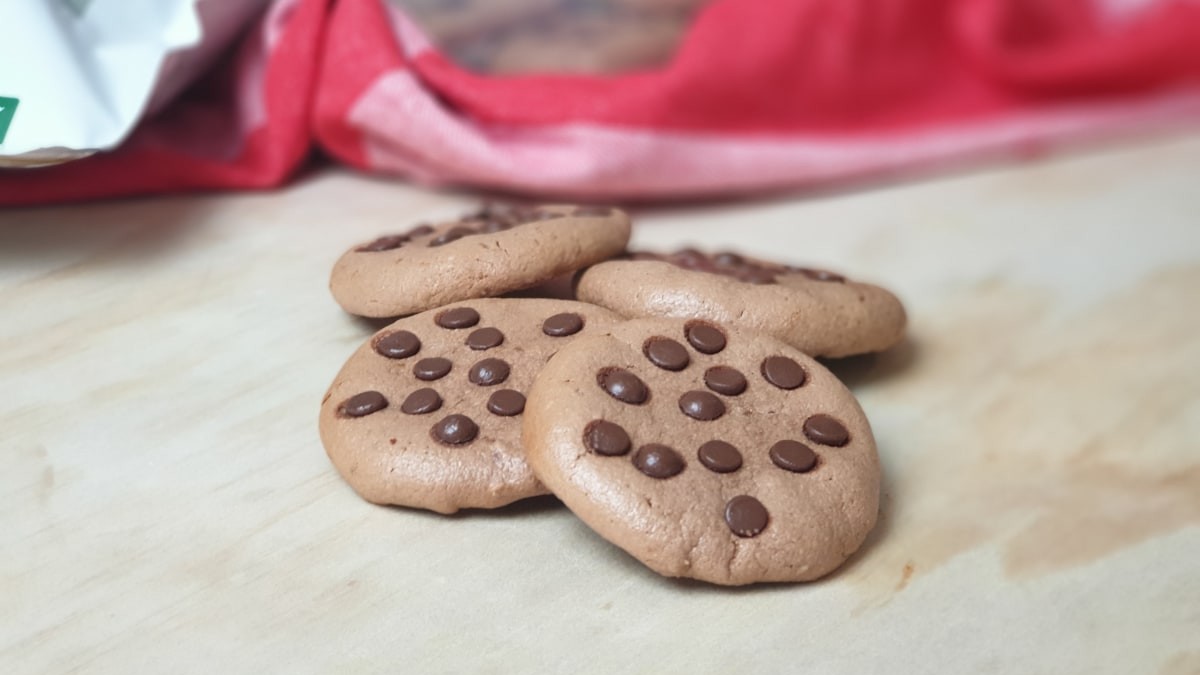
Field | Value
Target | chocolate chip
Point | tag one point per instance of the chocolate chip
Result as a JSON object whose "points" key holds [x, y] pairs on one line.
{"points": [[623, 385], [725, 380], [593, 211], [720, 456], [420, 231], [658, 461], [666, 353], [385, 243], [825, 430], [399, 345], [455, 430], [562, 325], [746, 516], [701, 405], [728, 259], [431, 369], [485, 338], [363, 404], [606, 438], [506, 403], [421, 401], [691, 259], [818, 275], [488, 372], [793, 456], [453, 234], [459, 317], [704, 338], [783, 372]]}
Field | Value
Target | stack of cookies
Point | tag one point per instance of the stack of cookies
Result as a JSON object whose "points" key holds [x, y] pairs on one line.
{"points": [[674, 405]]}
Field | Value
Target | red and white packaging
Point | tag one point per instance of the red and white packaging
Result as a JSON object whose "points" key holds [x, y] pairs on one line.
{"points": [[761, 95]]}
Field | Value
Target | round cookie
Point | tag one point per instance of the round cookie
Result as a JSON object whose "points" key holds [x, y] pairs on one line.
{"points": [[706, 452], [820, 313], [483, 254], [428, 412]]}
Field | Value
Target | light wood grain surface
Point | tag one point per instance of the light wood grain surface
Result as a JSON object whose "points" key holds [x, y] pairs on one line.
{"points": [[167, 506]]}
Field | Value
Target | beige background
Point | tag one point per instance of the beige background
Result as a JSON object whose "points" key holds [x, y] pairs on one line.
{"points": [[167, 507]]}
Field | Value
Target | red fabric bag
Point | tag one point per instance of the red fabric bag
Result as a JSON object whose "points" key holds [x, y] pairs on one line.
{"points": [[761, 95]]}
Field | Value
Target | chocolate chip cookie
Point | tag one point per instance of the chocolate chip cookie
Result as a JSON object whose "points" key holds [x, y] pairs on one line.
{"points": [[705, 451], [820, 313], [427, 413], [483, 254]]}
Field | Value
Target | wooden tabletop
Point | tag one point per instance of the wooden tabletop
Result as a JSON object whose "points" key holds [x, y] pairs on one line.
{"points": [[167, 506]]}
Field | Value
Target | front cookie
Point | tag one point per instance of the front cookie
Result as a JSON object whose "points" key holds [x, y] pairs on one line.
{"points": [[818, 312], [427, 413], [706, 452], [483, 254]]}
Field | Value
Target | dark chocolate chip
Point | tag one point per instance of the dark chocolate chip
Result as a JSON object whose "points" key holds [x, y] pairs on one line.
{"points": [[459, 317], [453, 234], [720, 456], [666, 353], [691, 259], [485, 338], [818, 275], [431, 369], [506, 403], [793, 456], [728, 259], [704, 338], [606, 438], [363, 404], [421, 401], [623, 385], [398, 345], [420, 231], [562, 325], [755, 275], [658, 461], [746, 516], [783, 372], [455, 430], [825, 430], [725, 380], [488, 372], [385, 243], [593, 211], [701, 405]]}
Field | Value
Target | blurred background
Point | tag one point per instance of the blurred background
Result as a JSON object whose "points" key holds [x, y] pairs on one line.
{"points": [[617, 100]]}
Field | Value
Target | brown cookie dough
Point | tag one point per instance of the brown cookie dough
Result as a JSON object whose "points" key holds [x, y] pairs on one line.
{"points": [[818, 312], [750, 462], [427, 413], [483, 254]]}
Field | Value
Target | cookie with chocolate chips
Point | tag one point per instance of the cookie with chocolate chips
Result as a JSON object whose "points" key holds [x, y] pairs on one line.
{"points": [[483, 254], [705, 451], [428, 412], [820, 313]]}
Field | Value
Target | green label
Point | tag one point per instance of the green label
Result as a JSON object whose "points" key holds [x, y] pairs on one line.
{"points": [[8, 107]]}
